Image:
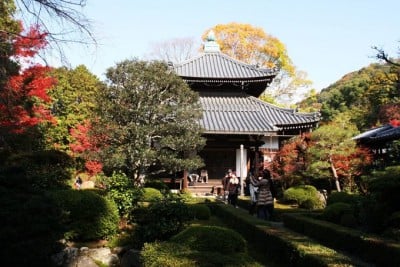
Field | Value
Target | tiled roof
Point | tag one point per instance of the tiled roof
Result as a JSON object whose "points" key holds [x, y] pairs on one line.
{"points": [[217, 65], [384, 133], [244, 114]]}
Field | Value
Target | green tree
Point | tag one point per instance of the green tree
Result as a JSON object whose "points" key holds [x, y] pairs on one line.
{"points": [[252, 45], [367, 96], [74, 102], [149, 117], [334, 155]]}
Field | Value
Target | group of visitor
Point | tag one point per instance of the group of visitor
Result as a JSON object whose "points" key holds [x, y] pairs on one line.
{"points": [[193, 177], [261, 189]]}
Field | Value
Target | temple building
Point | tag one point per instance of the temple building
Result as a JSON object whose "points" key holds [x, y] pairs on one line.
{"points": [[241, 130]]}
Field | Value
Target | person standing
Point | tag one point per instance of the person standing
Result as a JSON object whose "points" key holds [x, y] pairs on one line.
{"points": [[233, 189], [253, 193], [78, 182], [225, 183], [265, 199]]}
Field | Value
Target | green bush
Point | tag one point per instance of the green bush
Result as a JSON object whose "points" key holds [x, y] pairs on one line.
{"points": [[151, 195], [334, 212], [170, 254], [29, 227], [86, 215], [201, 211], [211, 238], [37, 171], [121, 190], [385, 186], [157, 184], [343, 197], [306, 196], [166, 254], [161, 220]]}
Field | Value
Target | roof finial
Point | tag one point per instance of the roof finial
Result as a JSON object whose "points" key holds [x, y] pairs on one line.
{"points": [[211, 36], [211, 45]]}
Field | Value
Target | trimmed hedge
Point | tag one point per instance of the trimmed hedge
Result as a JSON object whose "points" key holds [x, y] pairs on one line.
{"points": [[201, 211], [211, 238], [371, 248], [283, 247], [169, 254]]}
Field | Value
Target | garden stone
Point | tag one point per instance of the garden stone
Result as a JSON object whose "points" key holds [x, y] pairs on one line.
{"points": [[104, 255], [87, 185]]}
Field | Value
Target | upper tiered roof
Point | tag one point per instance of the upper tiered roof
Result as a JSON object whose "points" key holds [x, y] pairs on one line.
{"points": [[212, 66]]}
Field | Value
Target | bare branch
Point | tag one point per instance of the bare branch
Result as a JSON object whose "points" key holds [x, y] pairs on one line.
{"points": [[60, 19], [382, 55]]}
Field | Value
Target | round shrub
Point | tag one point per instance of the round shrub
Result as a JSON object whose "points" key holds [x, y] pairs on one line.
{"points": [[201, 211], [151, 194], [171, 254], [333, 213], [306, 196], [166, 254], [385, 185], [211, 238], [161, 220], [86, 215], [157, 184]]}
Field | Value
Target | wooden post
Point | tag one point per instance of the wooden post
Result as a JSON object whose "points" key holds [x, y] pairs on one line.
{"points": [[256, 163]]}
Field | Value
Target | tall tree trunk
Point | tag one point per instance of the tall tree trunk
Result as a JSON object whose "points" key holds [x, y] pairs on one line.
{"points": [[185, 180], [334, 172]]}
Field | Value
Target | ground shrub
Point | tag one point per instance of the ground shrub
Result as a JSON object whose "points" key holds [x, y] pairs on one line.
{"points": [[343, 197], [201, 211], [385, 186], [334, 212], [166, 254], [211, 238], [161, 220], [157, 184], [171, 254], [151, 195], [120, 189], [306, 196], [37, 171], [86, 215], [30, 229]]}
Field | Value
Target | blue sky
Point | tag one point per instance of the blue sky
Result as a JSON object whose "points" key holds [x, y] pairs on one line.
{"points": [[325, 38]]}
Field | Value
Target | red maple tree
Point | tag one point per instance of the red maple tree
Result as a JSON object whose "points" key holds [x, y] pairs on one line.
{"points": [[24, 94], [84, 145]]}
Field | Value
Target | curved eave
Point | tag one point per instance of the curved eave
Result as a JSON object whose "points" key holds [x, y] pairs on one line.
{"points": [[265, 79]]}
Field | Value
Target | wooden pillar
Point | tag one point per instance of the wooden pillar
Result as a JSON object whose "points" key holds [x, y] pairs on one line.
{"points": [[256, 162]]}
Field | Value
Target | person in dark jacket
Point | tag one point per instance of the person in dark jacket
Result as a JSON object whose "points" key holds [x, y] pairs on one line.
{"points": [[265, 198]]}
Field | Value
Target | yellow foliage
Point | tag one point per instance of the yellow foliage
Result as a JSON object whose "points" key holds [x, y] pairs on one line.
{"points": [[252, 45]]}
